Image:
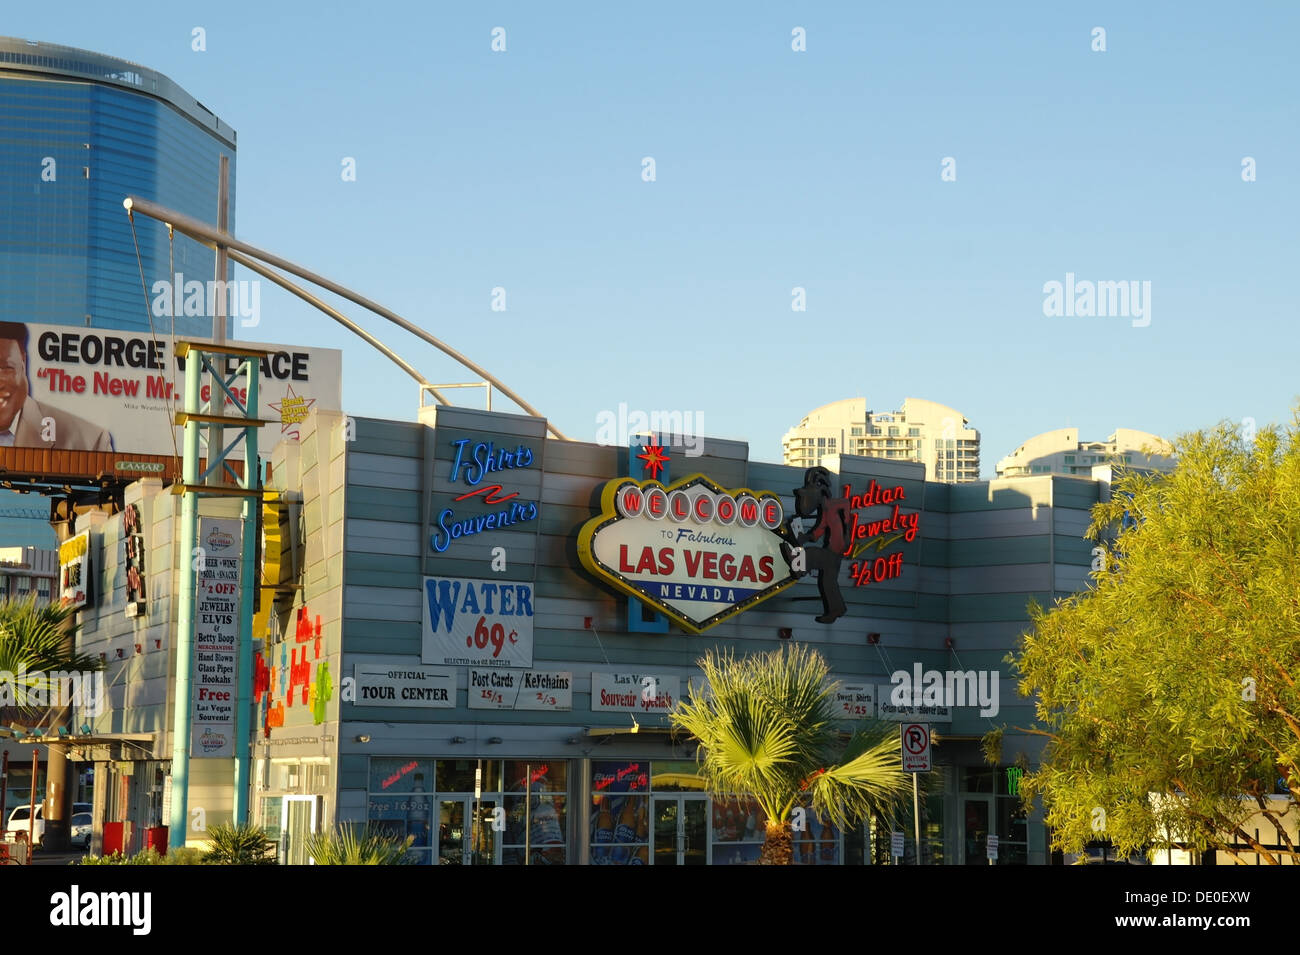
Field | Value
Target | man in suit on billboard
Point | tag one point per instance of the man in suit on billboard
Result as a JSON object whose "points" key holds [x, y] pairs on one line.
{"points": [[27, 423]]}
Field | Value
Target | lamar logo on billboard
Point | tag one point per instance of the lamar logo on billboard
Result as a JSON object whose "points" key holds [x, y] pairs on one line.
{"points": [[693, 550], [219, 540]]}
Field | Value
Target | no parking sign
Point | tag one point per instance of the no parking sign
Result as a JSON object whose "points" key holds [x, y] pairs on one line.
{"points": [[916, 747]]}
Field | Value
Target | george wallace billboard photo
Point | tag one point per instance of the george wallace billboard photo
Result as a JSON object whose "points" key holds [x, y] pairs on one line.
{"points": [[70, 389], [28, 423]]}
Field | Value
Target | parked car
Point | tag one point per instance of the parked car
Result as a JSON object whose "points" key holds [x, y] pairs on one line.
{"points": [[82, 826], [19, 821]]}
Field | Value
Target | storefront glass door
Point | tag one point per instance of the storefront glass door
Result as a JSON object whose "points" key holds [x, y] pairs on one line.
{"points": [[990, 806], [463, 843], [680, 830], [997, 816], [1000, 816], [976, 811], [297, 821]]}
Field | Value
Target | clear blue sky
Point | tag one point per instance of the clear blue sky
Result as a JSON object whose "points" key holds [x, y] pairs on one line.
{"points": [[775, 169]]}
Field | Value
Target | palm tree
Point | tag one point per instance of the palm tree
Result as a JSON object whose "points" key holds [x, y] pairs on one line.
{"points": [[766, 726], [33, 641]]}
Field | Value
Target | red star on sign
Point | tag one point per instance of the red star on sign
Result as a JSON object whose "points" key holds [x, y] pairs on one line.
{"points": [[654, 457]]}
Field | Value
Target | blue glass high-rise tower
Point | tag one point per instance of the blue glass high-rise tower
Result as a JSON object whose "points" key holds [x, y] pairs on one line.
{"points": [[80, 131]]}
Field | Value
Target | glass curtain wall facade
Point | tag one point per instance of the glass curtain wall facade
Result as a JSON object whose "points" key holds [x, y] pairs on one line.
{"points": [[81, 132]]}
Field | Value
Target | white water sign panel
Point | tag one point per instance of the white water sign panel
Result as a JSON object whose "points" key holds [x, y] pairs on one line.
{"points": [[478, 623]]}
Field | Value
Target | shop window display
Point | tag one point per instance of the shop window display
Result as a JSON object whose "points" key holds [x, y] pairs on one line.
{"points": [[539, 789], [740, 829], [405, 812], [620, 830], [434, 802], [642, 811], [271, 811], [400, 802], [934, 792], [620, 813], [457, 775]]}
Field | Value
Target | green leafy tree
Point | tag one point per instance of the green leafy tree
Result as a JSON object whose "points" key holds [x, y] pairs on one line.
{"points": [[1168, 690], [33, 645], [766, 725]]}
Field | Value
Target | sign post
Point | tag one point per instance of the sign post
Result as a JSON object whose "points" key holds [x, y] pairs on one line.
{"points": [[183, 700], [916, 759], [474, 834], [233, 702]]}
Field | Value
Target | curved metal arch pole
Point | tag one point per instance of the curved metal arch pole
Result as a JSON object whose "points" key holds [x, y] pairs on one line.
{"points": [[214, 238], [335, 314]]}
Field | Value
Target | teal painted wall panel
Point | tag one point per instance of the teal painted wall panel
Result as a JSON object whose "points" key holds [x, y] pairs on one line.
{"points": [[777, 478], [1001, 495], [935, 552], [993, 551], [361, 635], [1073, 550], [411, 577], [381, 504], [377, 436], [354, 770], [1075, 492], [973, 608]]}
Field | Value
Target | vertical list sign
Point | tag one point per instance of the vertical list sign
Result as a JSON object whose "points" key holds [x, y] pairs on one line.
{"points": [[216, 637]]}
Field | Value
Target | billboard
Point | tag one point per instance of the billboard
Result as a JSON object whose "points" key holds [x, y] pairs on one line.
{"points": [[64, 388]]}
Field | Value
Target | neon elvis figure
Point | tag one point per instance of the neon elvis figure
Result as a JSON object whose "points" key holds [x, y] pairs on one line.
{"points": [[832, 513]]}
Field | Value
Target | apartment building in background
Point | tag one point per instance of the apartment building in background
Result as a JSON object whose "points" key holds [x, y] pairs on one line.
{"points": [[923, 431], [27, 569], [1061, 452]]}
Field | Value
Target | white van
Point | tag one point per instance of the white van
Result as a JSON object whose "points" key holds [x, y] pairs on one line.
{"points": [[19, 822]]}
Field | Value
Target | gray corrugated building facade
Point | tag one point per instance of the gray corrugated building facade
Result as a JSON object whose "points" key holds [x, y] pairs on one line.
{"points": [[367, 709]]}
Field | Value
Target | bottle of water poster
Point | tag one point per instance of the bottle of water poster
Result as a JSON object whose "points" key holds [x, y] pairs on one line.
{"points": [[417, 816], [625, 832], [546, 823]]}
